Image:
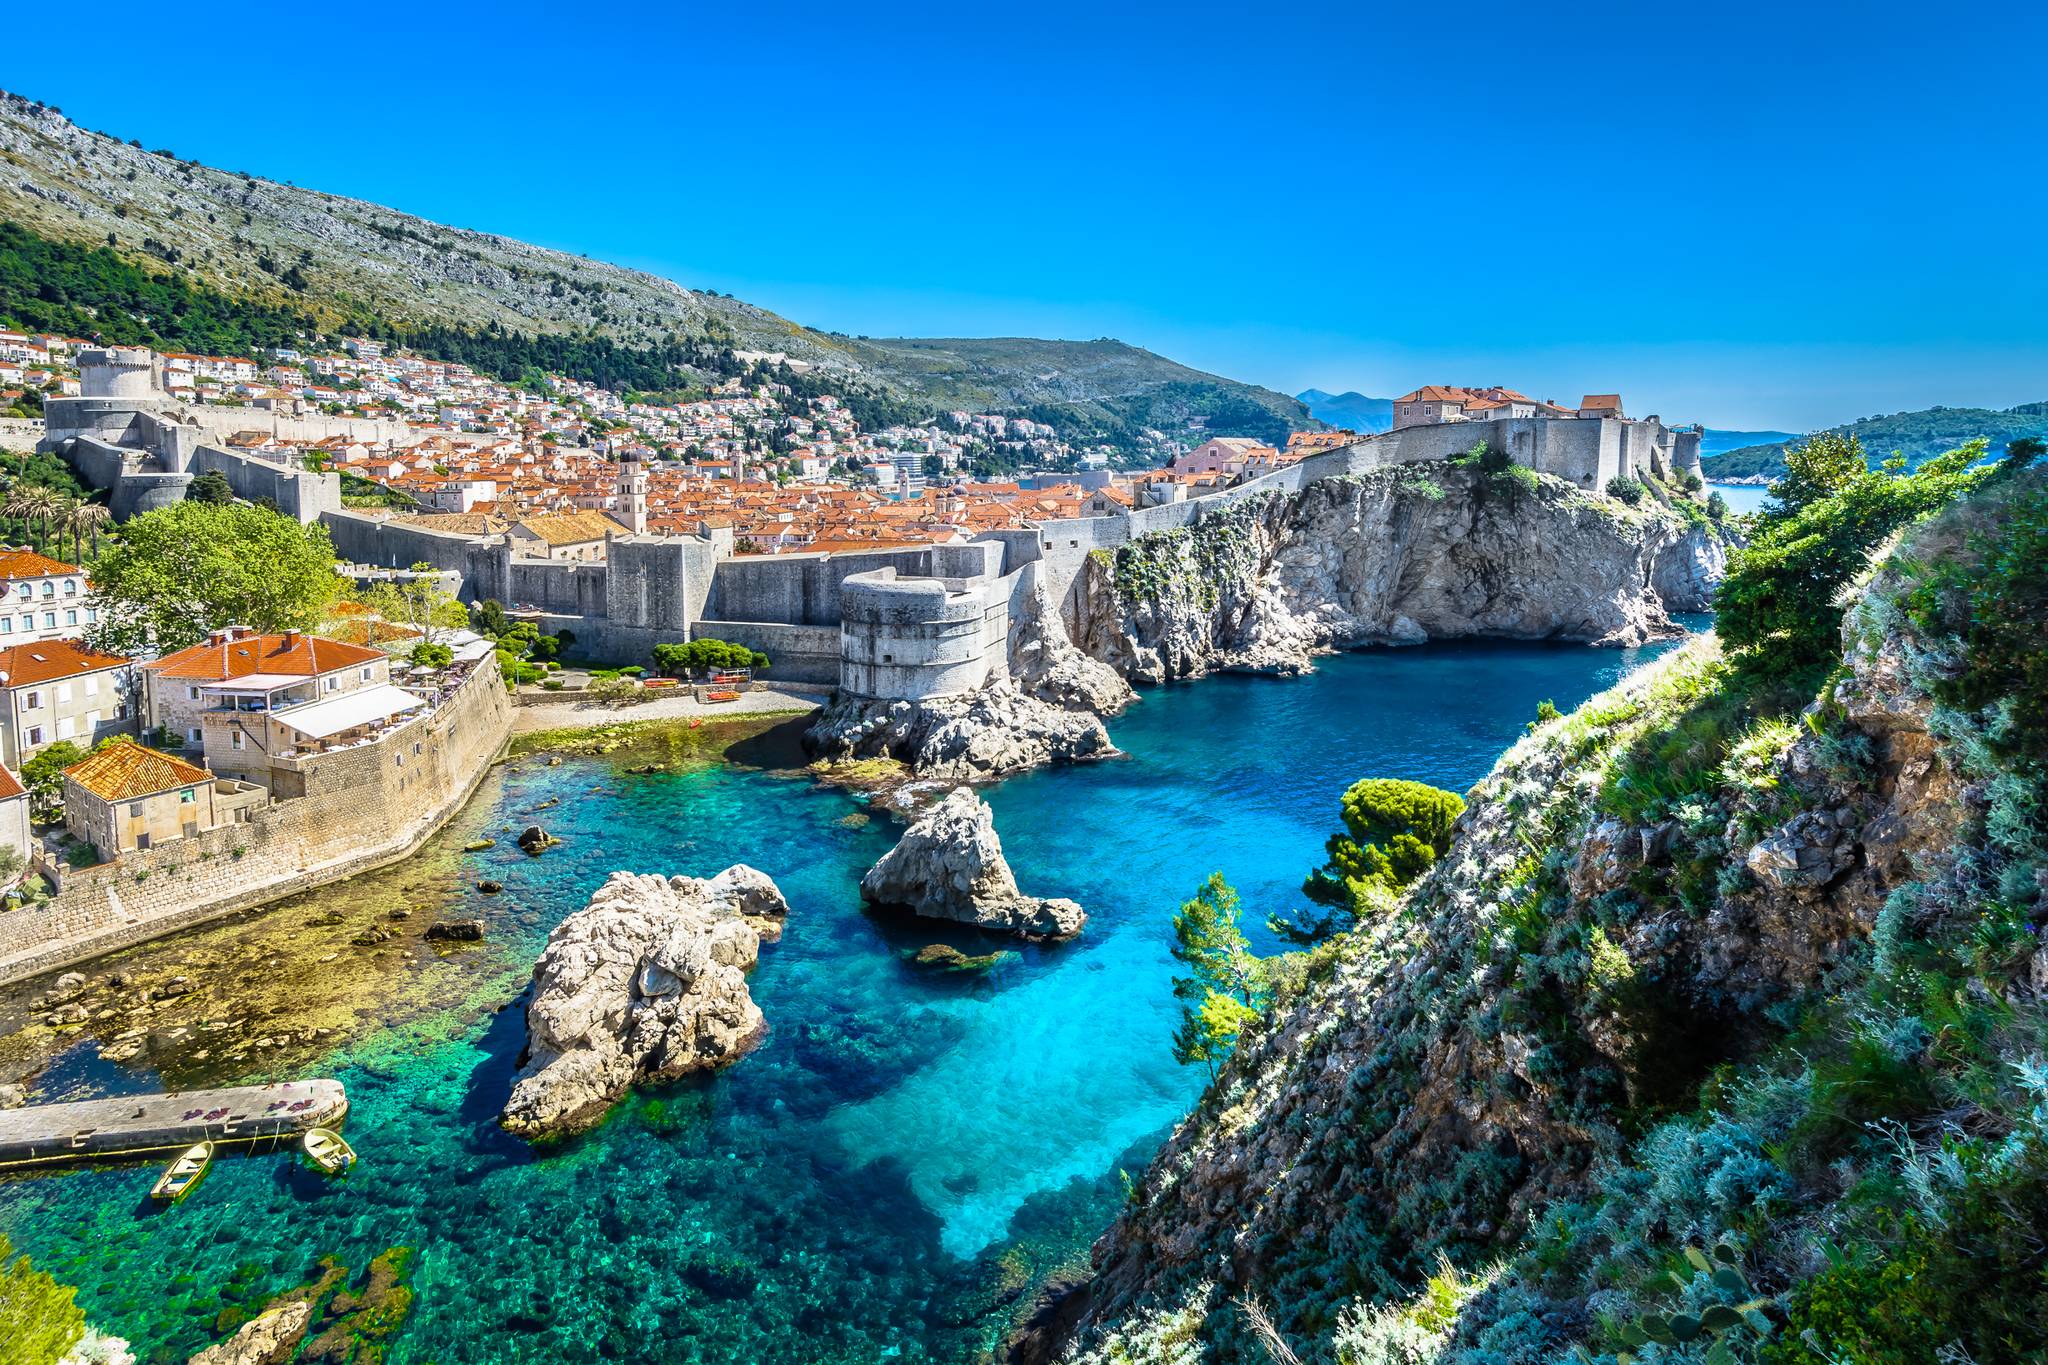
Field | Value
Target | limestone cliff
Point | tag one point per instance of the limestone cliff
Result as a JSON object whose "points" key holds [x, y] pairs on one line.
{"points": [[1397, 556], [1718, 1030]]}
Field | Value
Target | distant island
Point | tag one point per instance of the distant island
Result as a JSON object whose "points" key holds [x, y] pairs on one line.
{"points": [[1915, 435]]}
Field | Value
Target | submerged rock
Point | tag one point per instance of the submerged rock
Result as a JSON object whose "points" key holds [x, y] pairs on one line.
{"points": [[645, 984], [456, 931], [490, 888], [944, 957], [266, 1339], [534, 839], [972, 736], [950, 865]]}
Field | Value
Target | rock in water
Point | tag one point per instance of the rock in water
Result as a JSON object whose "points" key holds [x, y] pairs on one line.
{"points": [[534, 839], [265, 1339], [971, 736], [456, 931], [645, 984], [950, 865]]}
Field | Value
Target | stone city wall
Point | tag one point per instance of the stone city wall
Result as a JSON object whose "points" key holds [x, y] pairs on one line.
{"points": [[364, 807], [913, 638]]}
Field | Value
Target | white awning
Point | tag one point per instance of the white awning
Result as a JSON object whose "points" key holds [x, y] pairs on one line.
{"points": [[319, 719]]}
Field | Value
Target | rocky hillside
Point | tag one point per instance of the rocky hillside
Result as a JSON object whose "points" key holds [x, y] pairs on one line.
{"points": [[1915, 435], [1397, 556], [1717, 1036], [339, 257]]}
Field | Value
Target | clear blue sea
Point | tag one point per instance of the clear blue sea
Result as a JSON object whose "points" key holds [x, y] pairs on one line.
{"points": [[1742, 497], [902, 1153]]}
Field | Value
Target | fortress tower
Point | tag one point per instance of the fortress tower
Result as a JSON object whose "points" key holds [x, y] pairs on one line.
{"points": [[125, 372], [632, 492]]}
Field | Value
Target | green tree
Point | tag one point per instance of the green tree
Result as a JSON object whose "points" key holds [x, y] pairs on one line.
{"points": [[420, 603], [1779, 603], [1226, 986], [1823, 464], [40, 1320], [1393, 831], [43, 774], [210, 487], [432, 656], [183, 570], [699, 655]]}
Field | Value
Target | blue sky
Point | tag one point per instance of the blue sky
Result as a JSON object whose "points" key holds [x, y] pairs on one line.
{"points": [[1774, 216]]}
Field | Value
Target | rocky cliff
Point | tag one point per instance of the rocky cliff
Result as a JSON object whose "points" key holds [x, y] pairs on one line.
{"points": [[1717, 1035], [1396, 556]]}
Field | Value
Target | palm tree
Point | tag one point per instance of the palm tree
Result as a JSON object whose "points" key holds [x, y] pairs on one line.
{"points": [[87, 518], [33, 502]]}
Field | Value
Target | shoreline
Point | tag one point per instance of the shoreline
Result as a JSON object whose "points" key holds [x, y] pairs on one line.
{"points": [[549, 716]]}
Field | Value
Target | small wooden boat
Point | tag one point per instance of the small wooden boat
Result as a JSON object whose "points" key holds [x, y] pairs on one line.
{"points": [[721, 696], [177, 1181], [328, 1152]]}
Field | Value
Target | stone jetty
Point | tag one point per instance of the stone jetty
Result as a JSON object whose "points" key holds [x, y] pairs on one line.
{"points": [[157, 1125]]}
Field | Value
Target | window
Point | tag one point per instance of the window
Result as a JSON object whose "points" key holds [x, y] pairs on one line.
{"points": [[239, 740], [28, 590], [49, 620], [32, 702], [66, 727], [63, 693], [6, 625], [92, 684], [142, 840], [134, 809], [191, 694], [366, 675], [192, 736], [49, 589], [71, 587], [332, 683], [92, 616], [186, 797], [35, 735], [71, 617]]}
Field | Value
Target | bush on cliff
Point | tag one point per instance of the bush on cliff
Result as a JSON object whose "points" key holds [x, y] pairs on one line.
{"points": [[1393, 830], [1226, 986], [39, 1319], [1780, 601]]}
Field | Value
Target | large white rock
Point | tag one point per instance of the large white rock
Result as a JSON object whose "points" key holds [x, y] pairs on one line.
{"points": [[265, 1339], [972, 736], [644, 984], [950, 865]]}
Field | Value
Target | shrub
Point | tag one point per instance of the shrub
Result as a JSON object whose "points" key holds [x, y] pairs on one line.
{"points": [[1629, 491], [39, 1319], [700, 655], [1393, 831], [81, 855], [552, 684], [1717, 507], [432, 656], [1779, 600]]}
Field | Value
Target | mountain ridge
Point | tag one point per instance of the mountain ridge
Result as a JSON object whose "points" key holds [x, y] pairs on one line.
{"points": [[343, 259], [1917, 434]]}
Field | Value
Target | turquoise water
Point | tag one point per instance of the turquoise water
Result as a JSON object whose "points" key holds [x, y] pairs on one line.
{"points": [[904, 1150], [1742, 497]]}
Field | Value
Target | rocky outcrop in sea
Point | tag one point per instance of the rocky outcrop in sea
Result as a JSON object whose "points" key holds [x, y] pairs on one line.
{"points": [[974, 736], [950, 865], [1395, 556], [646, 983]]}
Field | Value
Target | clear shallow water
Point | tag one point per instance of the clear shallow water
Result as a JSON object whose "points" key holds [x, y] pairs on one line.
{"points": [[1742, 497], [904, 1151]]}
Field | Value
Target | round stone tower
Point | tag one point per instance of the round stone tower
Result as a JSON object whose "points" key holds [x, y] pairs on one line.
{"points": [[117, 372]]}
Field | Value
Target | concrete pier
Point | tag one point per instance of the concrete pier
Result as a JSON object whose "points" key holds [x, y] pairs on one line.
{"points": [[162, 1125]]}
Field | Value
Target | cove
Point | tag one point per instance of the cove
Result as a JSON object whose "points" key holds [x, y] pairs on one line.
{"points": [[904, 1155]]}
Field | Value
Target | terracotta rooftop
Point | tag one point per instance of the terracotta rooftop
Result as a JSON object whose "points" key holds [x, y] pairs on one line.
{"points": [[126, 771], [571, 528], [42, 661], [10, 785], [223, 658], [29, 564]]}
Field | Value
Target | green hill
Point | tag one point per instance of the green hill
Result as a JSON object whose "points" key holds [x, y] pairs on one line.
{"points": [[1916, 435]]}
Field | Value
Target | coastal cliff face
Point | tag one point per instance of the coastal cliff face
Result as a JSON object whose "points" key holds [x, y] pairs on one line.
{"points": [[1757, 996], [1396, 556]]}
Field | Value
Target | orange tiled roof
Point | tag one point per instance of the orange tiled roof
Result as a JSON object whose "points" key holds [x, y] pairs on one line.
{"points": [[305, 655], [29, 564], [126, 771], [42, 661], [10, 785]]}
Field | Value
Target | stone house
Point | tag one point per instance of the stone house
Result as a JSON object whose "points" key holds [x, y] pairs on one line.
{"points": [[129, 797], [215, 697], [59, 689], [1222, 455], [42, 598]]}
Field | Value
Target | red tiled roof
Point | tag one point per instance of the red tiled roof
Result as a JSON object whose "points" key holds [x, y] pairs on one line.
{"points": [[303, 655], [10, 785], [29, 564], [42, 661]]}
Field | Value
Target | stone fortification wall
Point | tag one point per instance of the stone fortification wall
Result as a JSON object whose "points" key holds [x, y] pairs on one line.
{"points": [[219, 423], [803, 654], [916, 638], [363, 807]]}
